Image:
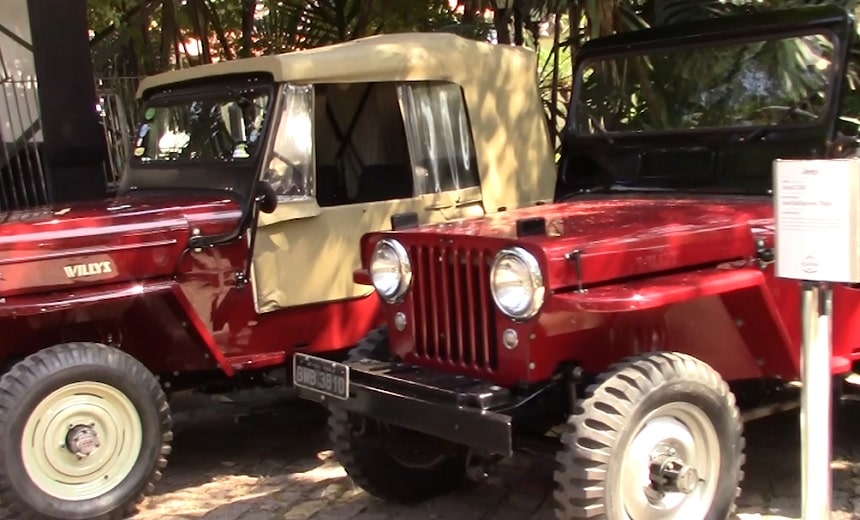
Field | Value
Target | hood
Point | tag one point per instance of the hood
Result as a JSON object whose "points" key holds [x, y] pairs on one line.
{"points": [[624, 238], [109, 241]]}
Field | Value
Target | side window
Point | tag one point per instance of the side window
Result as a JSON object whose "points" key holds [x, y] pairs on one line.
{"points": [[291, 163], [360, 144], [439, 137]]}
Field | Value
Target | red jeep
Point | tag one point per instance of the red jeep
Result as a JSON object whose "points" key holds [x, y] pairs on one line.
{"points": [[632, 326], [232, 244]]}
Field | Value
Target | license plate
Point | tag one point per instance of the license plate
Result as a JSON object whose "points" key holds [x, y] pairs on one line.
{"points": [[324, 376]]}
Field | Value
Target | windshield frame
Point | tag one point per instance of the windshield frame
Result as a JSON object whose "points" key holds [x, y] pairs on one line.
{"points": [[213, 89], [590, 163], [832, 89], [236, 179]]}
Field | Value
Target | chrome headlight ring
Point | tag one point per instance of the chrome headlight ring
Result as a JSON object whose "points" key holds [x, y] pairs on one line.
{"points": [[390, 270], [516, 283]]}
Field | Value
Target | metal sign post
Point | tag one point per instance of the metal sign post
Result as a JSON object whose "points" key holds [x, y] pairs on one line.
{"points": [[815, 401], [816, 209]]}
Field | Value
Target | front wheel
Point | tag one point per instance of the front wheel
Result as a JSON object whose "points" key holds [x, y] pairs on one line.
{"points": [[86, 432], [389, 462], [659, 437], [393, 463]]}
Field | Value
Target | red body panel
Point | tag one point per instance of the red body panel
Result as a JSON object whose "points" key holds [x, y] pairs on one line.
{"points": [[658, 273], [251, 340], [138, 238], [175, 308]]}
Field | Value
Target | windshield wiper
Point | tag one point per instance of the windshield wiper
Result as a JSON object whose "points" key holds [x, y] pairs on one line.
{"points": [[762, 131]]}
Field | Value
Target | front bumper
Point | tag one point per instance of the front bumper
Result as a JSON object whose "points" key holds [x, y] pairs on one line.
{"points": [[456, 408]]}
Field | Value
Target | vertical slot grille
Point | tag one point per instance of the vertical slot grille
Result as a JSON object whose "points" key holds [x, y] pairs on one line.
{"points": [[454, 313]]}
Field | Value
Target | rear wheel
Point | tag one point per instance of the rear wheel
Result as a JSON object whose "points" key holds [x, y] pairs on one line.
{"points": [[389, 462], [86, 432], [658, 437]]}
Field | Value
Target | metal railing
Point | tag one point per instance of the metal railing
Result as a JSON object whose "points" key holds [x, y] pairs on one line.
{"points": [[117, 107], [23, 182], [22, 176]]}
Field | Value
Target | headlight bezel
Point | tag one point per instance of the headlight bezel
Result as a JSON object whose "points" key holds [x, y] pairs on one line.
{"points": [[404, 265], [535, 279]]}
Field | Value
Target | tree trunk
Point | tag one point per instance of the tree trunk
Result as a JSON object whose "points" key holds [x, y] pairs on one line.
{"points": [[201, 26], [362, 21], [470, 12], [607, 10], [553, 104], [501, 19], [574, 16], [219, 31], [168, 30], [248, 8], [340, 17]]}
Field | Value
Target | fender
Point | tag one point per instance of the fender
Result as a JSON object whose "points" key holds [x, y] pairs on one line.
{"points": [[743, 291], [663, 290], [202, 331], [40, 304]]}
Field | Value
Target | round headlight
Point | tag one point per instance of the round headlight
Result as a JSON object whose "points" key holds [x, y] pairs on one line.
{"points": [[390, 270], [517, 283]]}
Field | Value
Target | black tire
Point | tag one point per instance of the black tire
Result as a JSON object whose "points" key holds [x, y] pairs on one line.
{"points": [[609, 417], [372, 453], [374, 345], [33, 380]]}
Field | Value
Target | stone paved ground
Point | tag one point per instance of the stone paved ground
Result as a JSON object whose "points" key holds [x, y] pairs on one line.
{"points": [[233, 463]]}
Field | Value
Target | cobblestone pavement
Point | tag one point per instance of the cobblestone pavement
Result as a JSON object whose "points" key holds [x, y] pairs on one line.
{"points": [[231, 462]]}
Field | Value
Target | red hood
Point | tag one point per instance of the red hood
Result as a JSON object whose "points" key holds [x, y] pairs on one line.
{"points": [[128, 238], [622, 238]]}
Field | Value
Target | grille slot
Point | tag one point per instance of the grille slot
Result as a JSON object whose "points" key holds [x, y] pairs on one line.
{"points": [[454, 313]]}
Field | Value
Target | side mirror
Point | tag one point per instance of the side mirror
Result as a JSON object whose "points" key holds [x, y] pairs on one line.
{"points": [[267, 200]]}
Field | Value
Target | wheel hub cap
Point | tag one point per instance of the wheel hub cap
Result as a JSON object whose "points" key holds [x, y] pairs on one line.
{"points": [[82, 440], [670, 475], [671, 466]]}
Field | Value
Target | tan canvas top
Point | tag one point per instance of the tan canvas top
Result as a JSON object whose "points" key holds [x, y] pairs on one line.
{"points": [[499, 82], [389, 57]]}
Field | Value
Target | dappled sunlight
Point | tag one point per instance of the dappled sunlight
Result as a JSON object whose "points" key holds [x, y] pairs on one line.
{"points": [[275, 465], [319, 487]]}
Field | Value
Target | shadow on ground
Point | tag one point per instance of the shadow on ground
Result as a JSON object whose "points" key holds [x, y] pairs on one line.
{"points": [[269, 458]]}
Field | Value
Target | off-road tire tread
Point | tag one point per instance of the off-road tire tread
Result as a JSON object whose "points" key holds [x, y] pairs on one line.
{"points": [[367, 469], [374, 345], [26, 373], [581, 464]]}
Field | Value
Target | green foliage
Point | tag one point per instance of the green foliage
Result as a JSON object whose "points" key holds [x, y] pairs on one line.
{"points": [[139, 37], [147, 36]]}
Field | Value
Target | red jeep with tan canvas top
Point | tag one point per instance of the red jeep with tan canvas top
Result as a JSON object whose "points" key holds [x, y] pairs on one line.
{"points": [[232, 243], [636, 323]]}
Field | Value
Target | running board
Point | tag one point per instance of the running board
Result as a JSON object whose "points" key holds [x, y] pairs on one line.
{"points": [[769, 409]]}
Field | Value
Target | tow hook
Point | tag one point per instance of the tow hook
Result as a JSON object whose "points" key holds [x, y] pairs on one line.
{"points": [[669, 474]]}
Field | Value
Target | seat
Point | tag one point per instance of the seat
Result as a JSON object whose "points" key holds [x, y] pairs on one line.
{"points": [[331, 190], [385, 182]]}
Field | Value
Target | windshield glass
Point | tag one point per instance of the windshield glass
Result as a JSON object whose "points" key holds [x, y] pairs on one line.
{"points": [[224, 127], [752, 84]]}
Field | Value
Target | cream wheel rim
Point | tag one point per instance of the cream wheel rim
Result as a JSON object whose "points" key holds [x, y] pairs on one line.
{"points": [[683, 432], [81, 441]]}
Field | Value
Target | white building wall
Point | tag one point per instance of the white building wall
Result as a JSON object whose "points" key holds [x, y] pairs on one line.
{"points": [[19, 108]]}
